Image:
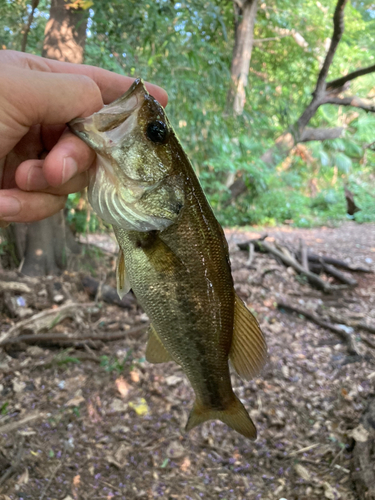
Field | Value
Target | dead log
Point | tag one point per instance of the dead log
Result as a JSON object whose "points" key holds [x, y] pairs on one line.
{"points": [[363, 466], [344, 335], [107, 293]]}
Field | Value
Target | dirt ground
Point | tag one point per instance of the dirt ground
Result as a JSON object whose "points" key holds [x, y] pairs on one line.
{"points": [[99, 422]]}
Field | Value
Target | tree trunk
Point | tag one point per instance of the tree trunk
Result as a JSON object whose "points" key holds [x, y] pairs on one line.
{"points": [[241, 55], [44, 246], [65, 34]]}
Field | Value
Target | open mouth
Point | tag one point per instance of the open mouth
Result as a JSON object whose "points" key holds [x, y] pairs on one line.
{"points": [[106, 127]]}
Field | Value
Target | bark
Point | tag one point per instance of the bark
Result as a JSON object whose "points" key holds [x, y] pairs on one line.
{"points": [[241, 55], [44, 247], [363, 466]]}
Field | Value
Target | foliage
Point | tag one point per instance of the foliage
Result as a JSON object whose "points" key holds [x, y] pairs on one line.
{"points": [[186, 47]]}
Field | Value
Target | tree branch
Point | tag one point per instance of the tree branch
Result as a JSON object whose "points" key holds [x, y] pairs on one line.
{"points": [[338, 30], [339, 82], [34, 5], [320, 134], [354, 101]]}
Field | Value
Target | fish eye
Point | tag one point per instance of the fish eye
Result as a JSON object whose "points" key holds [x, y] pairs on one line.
{"points": [[157, 131]]}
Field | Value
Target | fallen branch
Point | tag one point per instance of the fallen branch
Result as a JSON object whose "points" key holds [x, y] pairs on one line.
{"points": [[47, 319], [65, 341], [14, 286], [347, 280], [353, 323], [107, 293], [15, 425], [336, 262], [345, 336], [288, 260]]}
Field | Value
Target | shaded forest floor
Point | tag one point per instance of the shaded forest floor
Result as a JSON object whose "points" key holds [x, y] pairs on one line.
{"points": [[100, 422]]}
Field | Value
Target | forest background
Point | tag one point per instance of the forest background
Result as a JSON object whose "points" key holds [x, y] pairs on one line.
{"points": [[229, 126]]}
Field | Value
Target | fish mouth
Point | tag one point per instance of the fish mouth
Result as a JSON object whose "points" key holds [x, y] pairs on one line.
{"points": [[106, 127]]}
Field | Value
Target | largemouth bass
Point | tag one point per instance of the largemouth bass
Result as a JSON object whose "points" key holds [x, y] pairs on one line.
{"points": [[173, 254]]}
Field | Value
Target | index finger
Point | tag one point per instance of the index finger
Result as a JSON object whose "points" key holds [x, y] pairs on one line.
{"points": [[111, 85]]}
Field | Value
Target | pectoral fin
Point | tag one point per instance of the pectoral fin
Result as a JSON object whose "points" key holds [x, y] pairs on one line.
{"points": [[248, 352], [123, 285], [155, 350]]}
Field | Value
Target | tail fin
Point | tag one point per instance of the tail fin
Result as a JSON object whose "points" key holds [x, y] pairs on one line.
{"points": [[235, 416]]}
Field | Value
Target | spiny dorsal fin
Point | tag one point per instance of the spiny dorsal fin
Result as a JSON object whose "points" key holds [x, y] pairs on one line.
{"points": [[123, 285], [248, 351], [155, 350]]}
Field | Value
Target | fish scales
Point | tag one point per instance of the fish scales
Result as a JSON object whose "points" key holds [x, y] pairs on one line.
{"points": [[173, 253]]}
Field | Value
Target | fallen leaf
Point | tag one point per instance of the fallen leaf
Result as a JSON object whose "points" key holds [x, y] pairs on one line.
{"points": [[122, 386], [134, 376], [76, 480], [140, 406], [360, 434], [185, 464], [175, 450], [24, 477], [330, 492], [173, 380], [302, 472], [118, 406]]}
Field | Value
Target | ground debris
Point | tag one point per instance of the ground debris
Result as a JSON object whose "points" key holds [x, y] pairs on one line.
{"points": [[101, 422]]}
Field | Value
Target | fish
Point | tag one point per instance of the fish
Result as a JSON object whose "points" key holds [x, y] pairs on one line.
{"points": [[173, 254]]}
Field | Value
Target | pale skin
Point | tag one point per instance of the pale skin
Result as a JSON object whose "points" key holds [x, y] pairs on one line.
{"points": [[41, 162]]}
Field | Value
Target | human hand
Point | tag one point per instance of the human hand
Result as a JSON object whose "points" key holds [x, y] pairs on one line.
{"points": [[41, 162]]}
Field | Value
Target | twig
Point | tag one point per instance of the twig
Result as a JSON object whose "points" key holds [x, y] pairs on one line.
{"points": [[304, 251], [15, 463], [302, 450], [251, 255], [47, 486], [345, 336], [14, 425]]}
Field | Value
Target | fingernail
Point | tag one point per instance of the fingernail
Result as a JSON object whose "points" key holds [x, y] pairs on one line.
{"points": [[70, 168], [9, 206]]}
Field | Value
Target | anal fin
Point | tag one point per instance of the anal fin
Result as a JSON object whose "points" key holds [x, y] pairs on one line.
{"points": [[248, 352], [123, 284], [155, 350]]}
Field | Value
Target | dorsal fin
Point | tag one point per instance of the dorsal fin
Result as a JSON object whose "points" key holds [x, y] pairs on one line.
{"points": [[123, 285], [248, 352], [155, 350]]}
